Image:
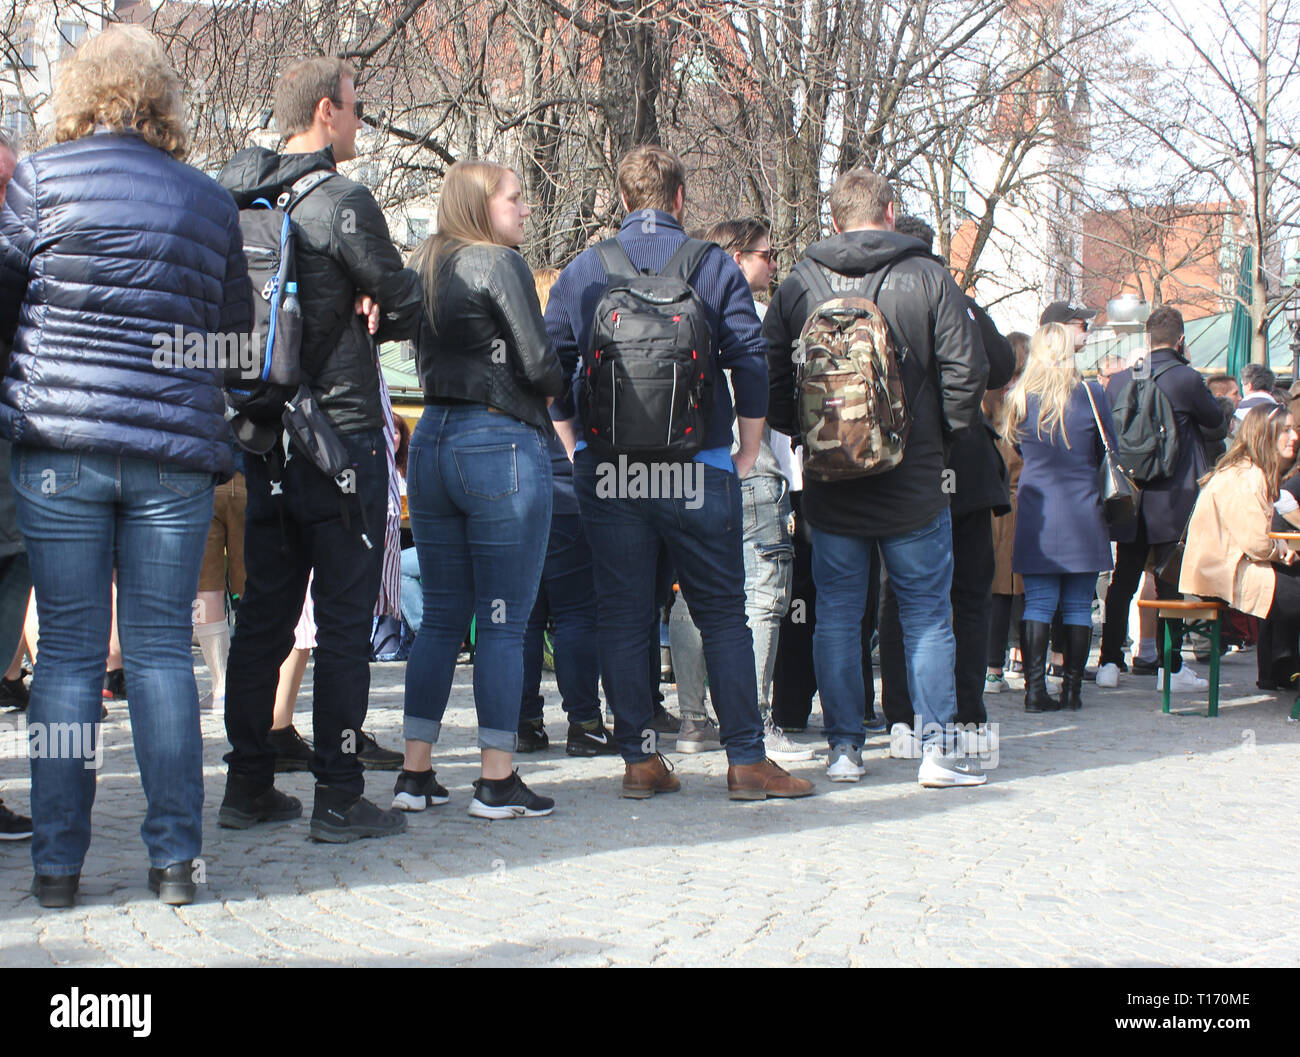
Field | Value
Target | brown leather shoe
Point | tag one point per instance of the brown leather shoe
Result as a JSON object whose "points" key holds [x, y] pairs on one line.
{"points": [[758, 781], [655, 775]]}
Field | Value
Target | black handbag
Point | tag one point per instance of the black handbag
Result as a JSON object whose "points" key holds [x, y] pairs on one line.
{"points": [[1119, 492]]}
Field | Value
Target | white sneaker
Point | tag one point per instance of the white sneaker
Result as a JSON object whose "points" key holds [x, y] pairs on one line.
{"points": [[845, 764], [943, 772], [995, 684], [1183, 681], [979, 742], [902, 743], [779, 747], [1108, 676]]}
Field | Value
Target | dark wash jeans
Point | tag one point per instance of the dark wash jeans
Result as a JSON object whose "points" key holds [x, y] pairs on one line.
{"points": [[82, 514], [479, 491], [285, 538], [568, 594], [704, 543]]}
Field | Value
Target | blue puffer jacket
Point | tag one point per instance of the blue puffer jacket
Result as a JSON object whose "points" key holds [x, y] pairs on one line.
{"points": [[107, 247]]}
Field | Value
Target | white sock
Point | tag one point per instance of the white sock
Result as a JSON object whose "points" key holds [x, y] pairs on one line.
{"points": [[214, 643]]}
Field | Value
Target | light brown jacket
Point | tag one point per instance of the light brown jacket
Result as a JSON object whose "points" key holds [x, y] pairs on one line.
{"points": [[1228, 552]]}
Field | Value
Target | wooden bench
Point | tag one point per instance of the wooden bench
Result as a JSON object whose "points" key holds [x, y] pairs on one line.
{"points": [[1202, 617]]}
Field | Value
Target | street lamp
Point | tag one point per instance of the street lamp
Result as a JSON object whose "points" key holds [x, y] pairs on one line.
{"points": [[1293, 319]]}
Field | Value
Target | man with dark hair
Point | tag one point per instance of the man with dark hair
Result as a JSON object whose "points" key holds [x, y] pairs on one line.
{"points": [[1224, 385], [904, 510], [702, 533], [347, 265], [1164, 506], [979, 492]]}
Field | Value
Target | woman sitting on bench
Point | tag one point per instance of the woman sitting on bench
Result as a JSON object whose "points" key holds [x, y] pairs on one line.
{"points": [[1229, 554]]}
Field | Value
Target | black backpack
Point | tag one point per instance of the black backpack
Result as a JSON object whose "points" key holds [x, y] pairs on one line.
{"points": [[647, 390], [269, 370], [1145, 427]]}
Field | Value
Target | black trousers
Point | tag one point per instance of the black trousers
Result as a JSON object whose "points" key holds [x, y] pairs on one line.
{"points": [[1003, 618], [794, 682], [972, 603], [1130, 560], [1277, 649], [285, 538]]}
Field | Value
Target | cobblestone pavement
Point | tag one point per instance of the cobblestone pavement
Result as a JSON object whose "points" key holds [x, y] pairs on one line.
{"points": [[1115, 835]]}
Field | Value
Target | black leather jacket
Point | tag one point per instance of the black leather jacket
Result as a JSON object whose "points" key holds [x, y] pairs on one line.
{"points": [[343, 250], [490, 345]]}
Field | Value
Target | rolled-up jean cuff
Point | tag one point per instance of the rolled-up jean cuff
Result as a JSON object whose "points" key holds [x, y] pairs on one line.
{"points": [[416, 729], [501, 740]]}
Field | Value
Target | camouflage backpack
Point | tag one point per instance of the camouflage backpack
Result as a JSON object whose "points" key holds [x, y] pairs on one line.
{"points": [[852, 412]]}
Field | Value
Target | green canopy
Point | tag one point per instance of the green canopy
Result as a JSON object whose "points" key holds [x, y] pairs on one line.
{"points": [[1208, 344], [1239, 332]]}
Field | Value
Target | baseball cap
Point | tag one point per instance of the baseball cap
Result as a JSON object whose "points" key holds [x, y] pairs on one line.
{"points": [[1065, 312]]}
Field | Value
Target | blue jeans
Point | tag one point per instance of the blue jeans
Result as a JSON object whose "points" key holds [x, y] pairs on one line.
{"points": [[919, 566], [568, 594], [82, 514], [479, 494], [769, 560], [703, 537], [412, 590], [1074, 592]]}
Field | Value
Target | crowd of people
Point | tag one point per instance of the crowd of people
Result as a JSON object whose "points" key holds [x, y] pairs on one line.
{"points": [[643, 438]]}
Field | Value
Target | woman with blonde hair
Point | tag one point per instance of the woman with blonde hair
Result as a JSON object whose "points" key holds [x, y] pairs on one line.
{"points": [[1228, 553], [1061, 542], [478, 480], [110, 243]]}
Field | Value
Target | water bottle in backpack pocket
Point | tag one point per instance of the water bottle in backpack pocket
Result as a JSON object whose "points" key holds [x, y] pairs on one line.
{"points": [[646, 389]]}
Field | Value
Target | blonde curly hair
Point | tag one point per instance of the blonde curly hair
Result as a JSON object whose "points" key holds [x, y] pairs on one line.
{"points": [[121, 79]]}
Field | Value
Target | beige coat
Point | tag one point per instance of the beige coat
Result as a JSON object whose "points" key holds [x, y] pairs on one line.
{"points": [[1004, 528], [1228, 552]]}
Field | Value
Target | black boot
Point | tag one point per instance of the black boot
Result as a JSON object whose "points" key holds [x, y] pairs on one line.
{"points": [[248, 802], [1078, 641], [1034, 641]]}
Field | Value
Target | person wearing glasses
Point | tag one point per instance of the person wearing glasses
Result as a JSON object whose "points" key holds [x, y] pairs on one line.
{"points": [[348, 268], [768, 548]]}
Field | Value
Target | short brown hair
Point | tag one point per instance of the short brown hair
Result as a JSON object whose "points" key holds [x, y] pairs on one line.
{"points": [[302, 86], [648, 178], [736, 236], [121, 79], [1164, 328], [859, 197]]}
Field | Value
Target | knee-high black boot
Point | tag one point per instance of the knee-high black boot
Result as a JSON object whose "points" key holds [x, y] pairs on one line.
{"points": [[1078, 641], [1034, 647]]}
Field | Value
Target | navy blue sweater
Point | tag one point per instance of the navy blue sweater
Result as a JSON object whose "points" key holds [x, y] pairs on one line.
{"points": [[650, 238]]}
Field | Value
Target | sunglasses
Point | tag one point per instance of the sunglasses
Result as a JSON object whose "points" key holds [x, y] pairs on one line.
{"points": [[767, 255], [357, 106]]}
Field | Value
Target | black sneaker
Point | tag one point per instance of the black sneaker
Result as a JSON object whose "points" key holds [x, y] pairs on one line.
{"points": [[507, 798], [14, 826], [532, 736], [417, 790], [14, 694], [174, 884], [874, 724], [1141, 667], [665, 722], [292, 751], [375, 758], [339, 818], [115, 684], [245, 805], [591, 738]]}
